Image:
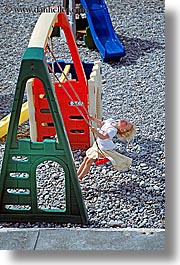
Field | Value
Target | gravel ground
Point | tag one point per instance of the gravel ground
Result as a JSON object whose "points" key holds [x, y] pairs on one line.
{"points": [[133, 88]]}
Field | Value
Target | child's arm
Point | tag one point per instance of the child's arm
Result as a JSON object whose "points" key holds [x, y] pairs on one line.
{"points": [[97, 121], [100, 135]]}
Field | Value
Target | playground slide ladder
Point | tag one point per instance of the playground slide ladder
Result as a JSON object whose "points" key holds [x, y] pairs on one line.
{"points": [[24, 116]]}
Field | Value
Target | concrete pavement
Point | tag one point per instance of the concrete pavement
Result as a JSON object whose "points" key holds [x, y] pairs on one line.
{"points": [[81, 239]]}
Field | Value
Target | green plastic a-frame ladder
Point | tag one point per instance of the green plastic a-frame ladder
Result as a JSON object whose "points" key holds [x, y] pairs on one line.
{"points": [[20, 174]]}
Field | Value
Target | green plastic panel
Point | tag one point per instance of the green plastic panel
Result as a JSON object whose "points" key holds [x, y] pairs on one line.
{"points": [[18, 183]]}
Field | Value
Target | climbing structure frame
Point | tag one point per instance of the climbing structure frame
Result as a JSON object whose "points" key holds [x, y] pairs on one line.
{"points": [[18, 187]]}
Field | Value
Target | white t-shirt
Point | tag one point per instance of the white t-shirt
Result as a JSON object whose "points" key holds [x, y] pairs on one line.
{"points": [[107, 144]]}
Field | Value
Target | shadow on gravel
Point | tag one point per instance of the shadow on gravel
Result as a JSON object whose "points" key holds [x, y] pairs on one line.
{"points": [[6, 104], [135, 48]]}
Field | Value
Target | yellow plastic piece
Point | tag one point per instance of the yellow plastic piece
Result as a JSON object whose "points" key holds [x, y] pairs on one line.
{"points": [[4, 123], [66, 72]]}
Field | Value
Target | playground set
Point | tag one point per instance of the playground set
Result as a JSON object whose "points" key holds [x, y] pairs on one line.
{"points": [[94, 23], [56, 106]]}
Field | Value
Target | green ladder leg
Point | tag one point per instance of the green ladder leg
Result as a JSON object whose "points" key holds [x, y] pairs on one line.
{"points": [[18, 183], [88, 39]]}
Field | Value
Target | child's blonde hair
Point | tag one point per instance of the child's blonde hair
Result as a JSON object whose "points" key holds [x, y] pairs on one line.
{"points": [[128, 135]]}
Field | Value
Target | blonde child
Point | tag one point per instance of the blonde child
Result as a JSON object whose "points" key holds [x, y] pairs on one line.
{"points": [[104, 146]]}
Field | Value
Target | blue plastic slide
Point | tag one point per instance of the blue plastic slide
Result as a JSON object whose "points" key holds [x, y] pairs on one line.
{"points": [[102, 31]]}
